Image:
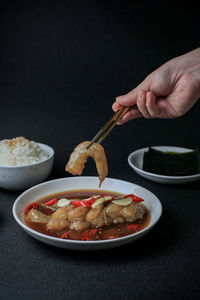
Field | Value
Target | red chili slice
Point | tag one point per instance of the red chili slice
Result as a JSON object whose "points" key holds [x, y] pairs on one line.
{"points": [[30, 206], [75, 203], [88, 234], [91, 200], [134, 198], [78, 203], [85, 238], [51, 202], [85, 203], [132, 227], [64, 235]]}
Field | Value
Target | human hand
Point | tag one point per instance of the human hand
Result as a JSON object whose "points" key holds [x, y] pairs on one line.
{"points": [[168, 92]]}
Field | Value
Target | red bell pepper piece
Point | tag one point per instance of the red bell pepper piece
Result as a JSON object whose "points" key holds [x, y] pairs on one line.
{"points": [[51, 202], [134, 198], [30, 206]]}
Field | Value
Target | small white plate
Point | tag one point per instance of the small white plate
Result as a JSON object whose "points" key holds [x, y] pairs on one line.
{"points": [[71, 183], [135, 160]]}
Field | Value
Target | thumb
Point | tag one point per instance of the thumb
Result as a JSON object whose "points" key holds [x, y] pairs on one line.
{"points": [[139, 92], [128, 99], [132, 97]]}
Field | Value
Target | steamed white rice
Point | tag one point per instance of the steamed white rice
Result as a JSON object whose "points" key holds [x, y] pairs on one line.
{"points": [[20, 151]]}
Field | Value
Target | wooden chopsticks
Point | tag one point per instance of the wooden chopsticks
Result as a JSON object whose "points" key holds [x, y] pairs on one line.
{"points": [[109, 125]]}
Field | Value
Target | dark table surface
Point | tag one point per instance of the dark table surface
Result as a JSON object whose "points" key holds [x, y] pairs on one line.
{"points": [[62, 65]]}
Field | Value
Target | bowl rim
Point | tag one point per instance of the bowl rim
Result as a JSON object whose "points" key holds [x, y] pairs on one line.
{"points": [[154, 174], [51, 153], [65, 241]]}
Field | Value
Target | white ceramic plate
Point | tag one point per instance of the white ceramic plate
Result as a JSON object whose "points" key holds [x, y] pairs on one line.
{"points": [[135, 160], [71, 183]]}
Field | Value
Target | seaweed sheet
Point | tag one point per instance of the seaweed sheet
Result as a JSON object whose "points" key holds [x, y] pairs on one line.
{"points": [[171, 163]]}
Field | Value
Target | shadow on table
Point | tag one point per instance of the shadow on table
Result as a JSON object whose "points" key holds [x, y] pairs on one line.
{"points": [[186, 186]]}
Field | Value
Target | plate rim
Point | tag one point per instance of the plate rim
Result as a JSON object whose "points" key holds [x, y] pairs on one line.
{"points": [[78, 242]]}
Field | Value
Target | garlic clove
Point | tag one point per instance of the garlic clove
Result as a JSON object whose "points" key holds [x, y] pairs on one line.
{"points": [[101, 200], [107, 198], [123, 202], [63, 202], [97, 202]]}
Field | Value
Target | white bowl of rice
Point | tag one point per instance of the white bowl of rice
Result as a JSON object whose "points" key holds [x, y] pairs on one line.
{"points": [[24, 163]]}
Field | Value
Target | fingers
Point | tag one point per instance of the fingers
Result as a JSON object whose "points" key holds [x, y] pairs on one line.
{"points": [[133, 113], [141, 104], [151, 105], [145, 106], [116, 105], [128, 99]]}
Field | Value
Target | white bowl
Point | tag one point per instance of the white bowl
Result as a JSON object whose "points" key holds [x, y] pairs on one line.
{"points": [[71, 183], [135, 160], [23, 177]]}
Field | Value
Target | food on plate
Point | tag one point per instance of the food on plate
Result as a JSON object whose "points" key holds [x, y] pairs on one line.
{"points": [[80, 155], [171, 163], [20, 151], [87, 215]]}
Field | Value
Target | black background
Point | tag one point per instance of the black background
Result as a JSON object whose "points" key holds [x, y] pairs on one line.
{"points": [[61, 66]]}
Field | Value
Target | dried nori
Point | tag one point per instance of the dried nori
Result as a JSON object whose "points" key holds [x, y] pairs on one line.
{"points": [[171, 163]]}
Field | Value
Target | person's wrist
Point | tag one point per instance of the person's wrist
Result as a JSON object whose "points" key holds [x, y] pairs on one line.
{"points": [[191, 63]]}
